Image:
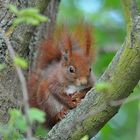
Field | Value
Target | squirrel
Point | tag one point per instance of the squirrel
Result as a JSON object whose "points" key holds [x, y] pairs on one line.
{"points": [[63, 72]]}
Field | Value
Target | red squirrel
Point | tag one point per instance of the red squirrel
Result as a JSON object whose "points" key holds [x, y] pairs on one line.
{"points": [[63, 73]]}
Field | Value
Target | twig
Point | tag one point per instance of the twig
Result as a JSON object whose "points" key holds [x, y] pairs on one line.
{"points": [[23, 84]]}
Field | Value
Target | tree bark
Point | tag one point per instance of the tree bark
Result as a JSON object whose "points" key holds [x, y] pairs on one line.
{"points": [[24, 39]]}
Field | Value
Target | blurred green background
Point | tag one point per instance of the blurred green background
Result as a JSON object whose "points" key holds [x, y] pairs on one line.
{"points": [[108, 22]]}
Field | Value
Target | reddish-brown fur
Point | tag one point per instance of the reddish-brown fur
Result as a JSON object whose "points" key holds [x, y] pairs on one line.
{"points": [[62, 75], [48, 54]]}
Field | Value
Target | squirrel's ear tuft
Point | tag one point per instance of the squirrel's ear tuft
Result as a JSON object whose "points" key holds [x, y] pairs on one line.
{"points": [[66, 46], [88, 40], [83, 34], [65, 56]]}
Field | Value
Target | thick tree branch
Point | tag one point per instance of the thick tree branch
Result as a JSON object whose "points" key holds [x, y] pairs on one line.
{"points": [[123, 74]]}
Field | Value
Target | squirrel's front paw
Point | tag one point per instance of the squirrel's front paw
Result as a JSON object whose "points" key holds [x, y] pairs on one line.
{"points": [[77, 96], [72, 104], [60, 115]]}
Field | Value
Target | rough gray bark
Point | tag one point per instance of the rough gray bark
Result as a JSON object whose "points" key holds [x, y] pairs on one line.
{"points": [[22, 38]]}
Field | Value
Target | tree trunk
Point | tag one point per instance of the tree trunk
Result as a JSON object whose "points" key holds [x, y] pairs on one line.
{"points": [[24, 39]]}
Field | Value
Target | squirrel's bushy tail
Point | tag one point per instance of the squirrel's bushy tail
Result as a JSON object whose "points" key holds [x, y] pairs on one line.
{"points": [[48, 53], [32, 85]]}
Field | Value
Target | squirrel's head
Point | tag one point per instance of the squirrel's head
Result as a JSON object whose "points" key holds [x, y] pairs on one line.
{"points": [[76, 59], [76, 69]]}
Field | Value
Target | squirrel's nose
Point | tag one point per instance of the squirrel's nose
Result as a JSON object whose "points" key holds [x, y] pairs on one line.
{"points": [[82, 81]]}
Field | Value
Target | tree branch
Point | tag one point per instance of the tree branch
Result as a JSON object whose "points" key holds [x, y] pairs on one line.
{"points": [[123, 74]]}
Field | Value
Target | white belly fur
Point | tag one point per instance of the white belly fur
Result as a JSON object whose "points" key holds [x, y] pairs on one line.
{"points": [[72, 89]]}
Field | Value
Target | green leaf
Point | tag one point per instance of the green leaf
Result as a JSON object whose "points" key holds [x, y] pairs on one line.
{"points": [[21, 62], [36, 115], [31, 21], [41, 132], [28, 12], [103, 87], [86, 137], [32, 16], [17, 120], [28, 16], [40, 18], [21, 124], [14, 113], [13, 9], [18, 21], [27, 20]]}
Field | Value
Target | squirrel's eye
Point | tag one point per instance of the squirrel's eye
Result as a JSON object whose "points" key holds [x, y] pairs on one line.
{"points": [[71, 69], [89, 69]]}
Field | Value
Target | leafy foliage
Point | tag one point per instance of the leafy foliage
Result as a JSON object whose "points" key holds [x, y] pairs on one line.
{"points": [[28, 16], [17, 125], [103, 87], [86, 137], [21, 62], [36, 115]]}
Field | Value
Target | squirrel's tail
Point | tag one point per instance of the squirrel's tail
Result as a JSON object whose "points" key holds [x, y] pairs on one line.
{"points": [[48, 54], [32, 84]]}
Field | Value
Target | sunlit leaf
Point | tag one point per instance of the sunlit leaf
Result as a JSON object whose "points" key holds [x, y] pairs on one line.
{"points": [[28, 12], [15, 113], [28, 16], [41, 132], [21, 62], [103, 87], [21, 124], [26, 20], [86, 137], [36, 115]]}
